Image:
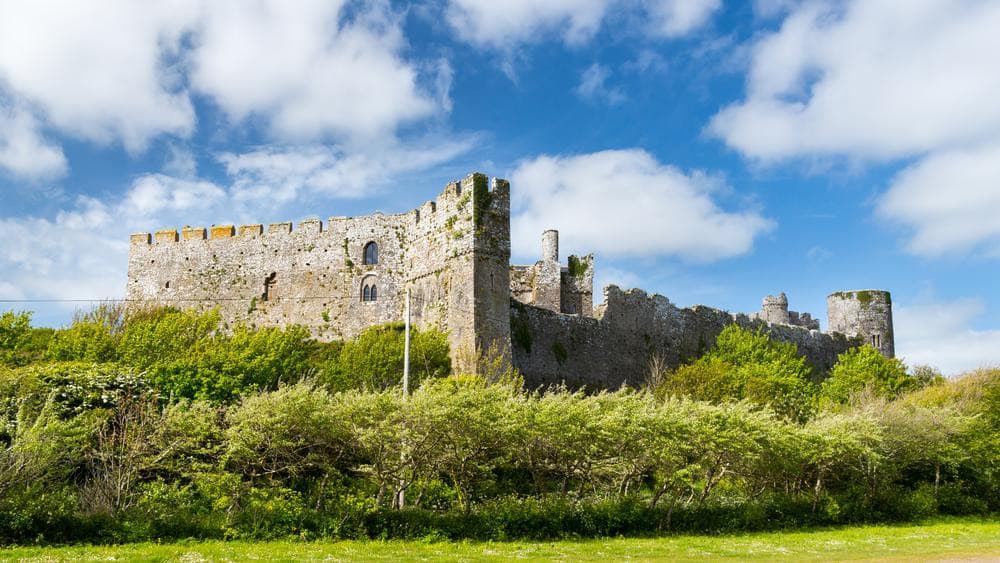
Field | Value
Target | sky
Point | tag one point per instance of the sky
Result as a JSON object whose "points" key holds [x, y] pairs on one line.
{"points": [[711, 151]]}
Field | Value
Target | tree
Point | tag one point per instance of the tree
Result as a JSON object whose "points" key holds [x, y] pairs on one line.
{"points": [[15, 329], [374, 360], [864, 368], [749, 365]]}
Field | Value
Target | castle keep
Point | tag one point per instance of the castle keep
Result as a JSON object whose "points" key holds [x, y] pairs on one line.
{"points": [[453, 255]]}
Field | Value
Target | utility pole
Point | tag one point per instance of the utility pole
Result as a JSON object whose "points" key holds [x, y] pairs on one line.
{"points": [[406, 349], [406, 389]]}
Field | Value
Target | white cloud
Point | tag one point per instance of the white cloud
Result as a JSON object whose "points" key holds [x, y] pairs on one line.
{"points": [[625, 203], [180, 161], [126, 71], [605, 276], [23, 151], [674, 18], [773, 8], [647, 62], [79, 254], [593, 86], [939, 335], [506, 25], [308, 69], [872, 79], [503, 25], [281, 174], [878, 80], [101, 71], [951, 200], [154, 194]]}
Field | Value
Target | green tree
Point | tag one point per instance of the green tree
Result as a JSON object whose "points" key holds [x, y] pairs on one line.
{"points": [[287, 433], [15, 330], [748, 365], [865, 368], [93, 336], [374, 360]]}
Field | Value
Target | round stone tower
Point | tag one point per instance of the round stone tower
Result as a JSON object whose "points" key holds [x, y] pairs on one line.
{"points": [[866, 313], [775, 309], [550, 245]]}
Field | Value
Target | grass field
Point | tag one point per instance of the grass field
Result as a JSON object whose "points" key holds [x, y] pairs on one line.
{"points": [[950, 540]]}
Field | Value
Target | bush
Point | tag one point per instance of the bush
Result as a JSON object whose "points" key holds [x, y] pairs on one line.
{"points": [[748, 365], [288, 433], [865, 368], [374, 360], [15, 335]]}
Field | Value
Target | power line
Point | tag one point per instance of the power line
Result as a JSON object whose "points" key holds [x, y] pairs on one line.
{"points": [[171, 299]]}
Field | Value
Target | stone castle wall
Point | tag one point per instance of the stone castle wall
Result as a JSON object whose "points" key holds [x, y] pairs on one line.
{"points": [[445, 252], [629, 329], [453, 256]]}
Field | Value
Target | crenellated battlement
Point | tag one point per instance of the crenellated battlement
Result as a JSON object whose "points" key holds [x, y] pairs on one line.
{"points": [[455, 200]]}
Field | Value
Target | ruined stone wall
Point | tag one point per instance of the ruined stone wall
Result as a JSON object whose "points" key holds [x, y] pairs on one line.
{"points": [[314, 276], [548, 285], [576, 286], [774, 310], [866, 314], [628, 329]]}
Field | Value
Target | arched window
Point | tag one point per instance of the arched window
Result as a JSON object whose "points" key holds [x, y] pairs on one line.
{"points": [[371, 254], [374, 293], [366, 294]]}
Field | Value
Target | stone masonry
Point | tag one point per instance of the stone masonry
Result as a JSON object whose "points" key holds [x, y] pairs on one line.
{"points": [[453, 255]]}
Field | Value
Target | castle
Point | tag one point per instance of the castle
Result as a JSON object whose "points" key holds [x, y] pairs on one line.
{"points": [[453, 255]]}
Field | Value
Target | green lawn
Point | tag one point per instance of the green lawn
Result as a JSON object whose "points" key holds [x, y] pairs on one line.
{"points": [[951, 539]]}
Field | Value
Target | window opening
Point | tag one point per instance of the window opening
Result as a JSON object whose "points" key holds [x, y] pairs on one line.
{"points": [[269, 286], [371, 254]]}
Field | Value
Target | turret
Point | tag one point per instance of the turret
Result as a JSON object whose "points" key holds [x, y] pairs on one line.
{"points": [[775, 309], [550, 246], [866, 314]]}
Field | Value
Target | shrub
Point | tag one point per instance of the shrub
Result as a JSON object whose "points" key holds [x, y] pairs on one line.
{"points": [[748, 365], [374, 360], [15, 331], [287, 433], [864, 368]]}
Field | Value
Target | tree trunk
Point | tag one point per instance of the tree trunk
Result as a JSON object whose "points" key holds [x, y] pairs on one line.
{"points": [[816, 491]]}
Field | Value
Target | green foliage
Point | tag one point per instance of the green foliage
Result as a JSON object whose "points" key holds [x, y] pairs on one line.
{"points": [[291, 432], [374, 360], [577, 268], [14, 328], [193, 431], [482, 199], [20, 343], [865, 368], [72, 387], [748, 365], [228, 366], [184, 354]]}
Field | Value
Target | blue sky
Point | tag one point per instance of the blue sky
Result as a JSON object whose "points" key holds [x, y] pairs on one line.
{"points": [[710, 151]]}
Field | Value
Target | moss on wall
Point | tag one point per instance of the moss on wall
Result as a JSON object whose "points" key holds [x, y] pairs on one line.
{"points": [[559, 351], [482, 199]]}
